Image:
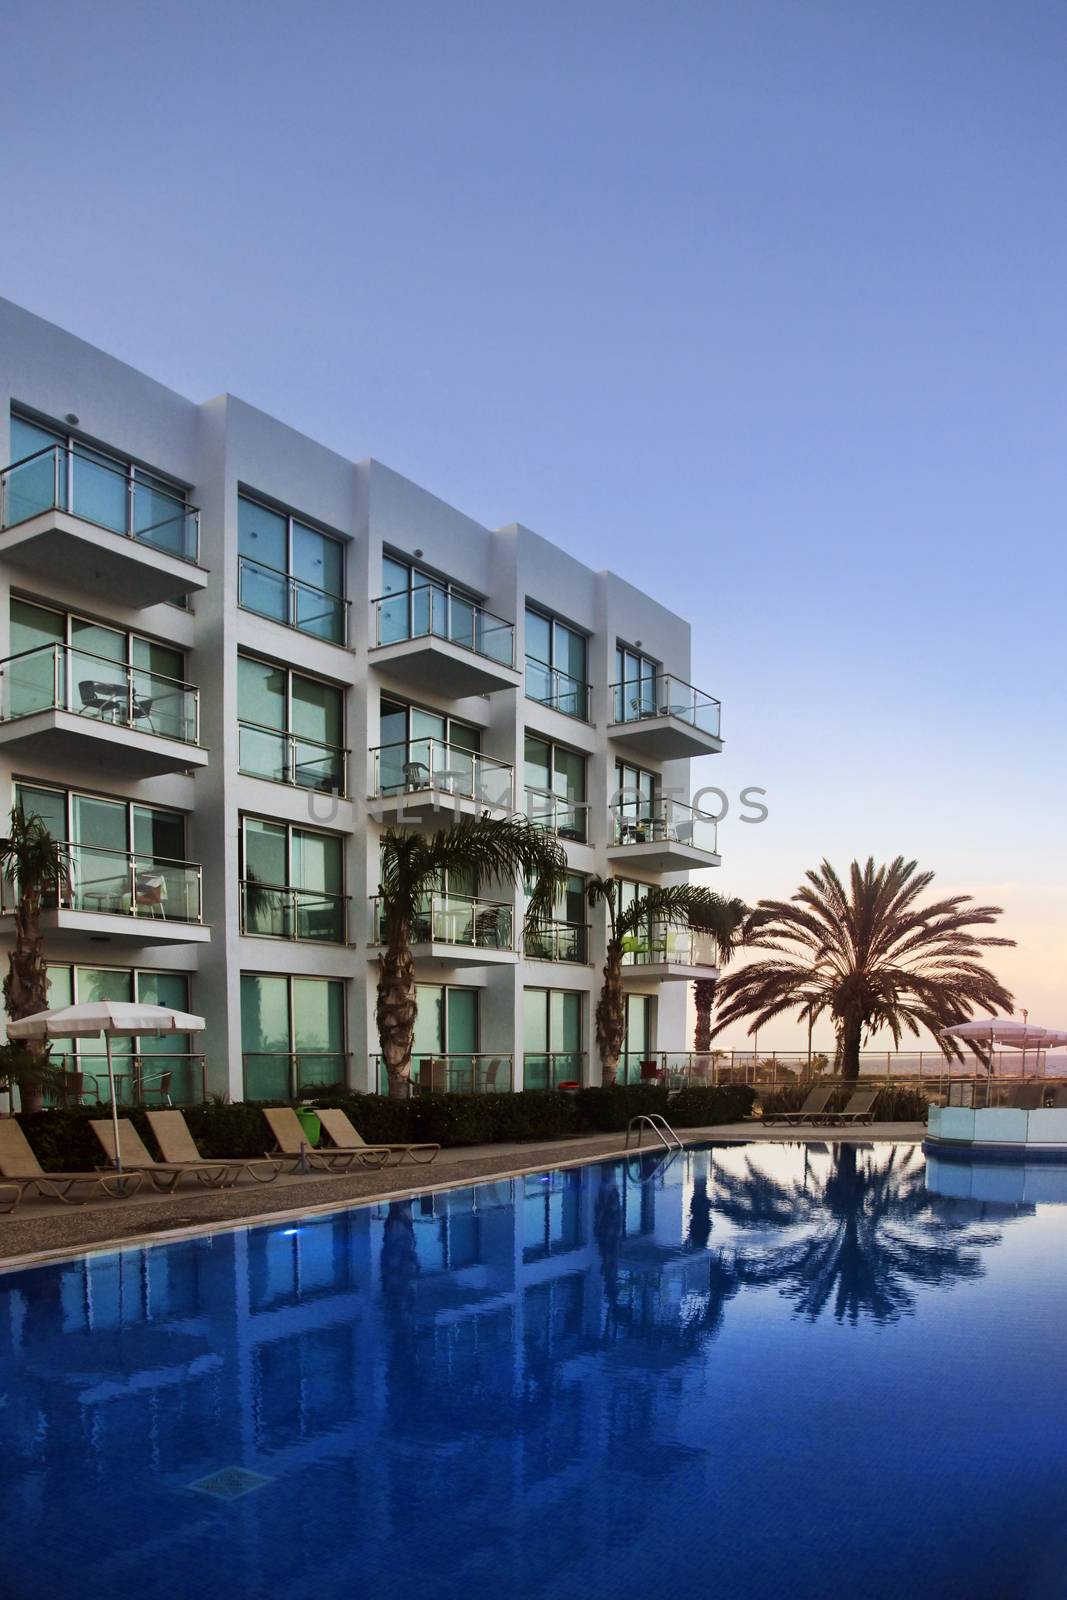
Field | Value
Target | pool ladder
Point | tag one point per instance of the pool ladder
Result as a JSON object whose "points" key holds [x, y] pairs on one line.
{"points": [[660, 1127]]}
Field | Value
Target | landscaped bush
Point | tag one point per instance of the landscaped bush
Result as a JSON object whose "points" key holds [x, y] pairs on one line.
{"points": [[458, 1119], [610, 1110], [894, 1104]]}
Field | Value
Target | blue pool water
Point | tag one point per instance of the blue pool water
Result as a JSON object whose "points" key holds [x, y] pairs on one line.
{"points": [[765, 1371]]}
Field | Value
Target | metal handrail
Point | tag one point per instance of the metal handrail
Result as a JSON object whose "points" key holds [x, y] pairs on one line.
{"points": [[294, 585], [294, 1059], [660, 819], [664, 695], [659, 1126], [63, 686], [565, 818], [291, 740], [131, 1066], [555, 933], [293, 899], [496, 917], [439, 1072], [64, 483], [463, 779], [580, 690], [139, 864], [468, 609]]}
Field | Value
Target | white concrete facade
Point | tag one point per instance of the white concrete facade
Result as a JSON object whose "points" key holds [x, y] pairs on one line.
{"points": [[214, 452]]}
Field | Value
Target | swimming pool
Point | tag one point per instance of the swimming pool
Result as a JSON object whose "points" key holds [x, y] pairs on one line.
{"points": [[765, 1370]]}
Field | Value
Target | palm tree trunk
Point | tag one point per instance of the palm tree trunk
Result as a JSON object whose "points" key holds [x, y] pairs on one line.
{"points": [[611, 1015], [851, 1033], [704, 995], [395, 1012], [26, 984]]}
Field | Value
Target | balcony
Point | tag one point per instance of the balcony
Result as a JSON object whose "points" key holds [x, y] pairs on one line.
{"points": [[566, 819], [553, 1068], [143, 1078], [294, 1074], [67, 513], [65, 705], [669, 954], [291, 601], [128, 896], [558, 941], [291, 758], [459, 930], [276, 911], [548, 686], [484, 1072], [664, 718], [663, 836], [420, 778], [430, 637]]}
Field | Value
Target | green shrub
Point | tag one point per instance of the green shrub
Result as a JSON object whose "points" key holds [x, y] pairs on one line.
{"points": [[896, 1103], [610, 1110]]}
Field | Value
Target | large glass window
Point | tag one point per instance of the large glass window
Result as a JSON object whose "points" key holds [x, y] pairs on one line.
{"points": [[292, 883], [445, 1054], [419, 748], [555, 787], [292, 1035], [290, 727], [153, 1070], [635, 794], [413, 605], [556, 665], [290, 572], [552, 1037], [635, 684], [565, 939]]}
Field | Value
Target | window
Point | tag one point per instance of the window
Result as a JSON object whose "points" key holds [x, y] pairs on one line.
{"points": [[555, 788], [74, 664], [54, 469], [422, 748], [639, 1037], [556, 665], [292, 1035], [292, 882], [446, 1054], [121, 857], [290, 572], [414, 605], [152, 1069], [635, 685], [290, 727], [566, 938], [635, 802], [551, 1038]]}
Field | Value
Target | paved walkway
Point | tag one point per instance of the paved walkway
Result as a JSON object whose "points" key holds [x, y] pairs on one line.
{"points": [[46, 1227]]}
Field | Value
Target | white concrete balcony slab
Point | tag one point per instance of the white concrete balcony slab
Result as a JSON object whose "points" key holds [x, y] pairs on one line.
{"points": [[65, 705], [457, 930], [662, 836], [66, 513], [428, 637], [664, 719]]}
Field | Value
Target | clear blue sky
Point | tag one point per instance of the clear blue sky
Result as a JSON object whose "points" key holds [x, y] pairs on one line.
{"points": [[762, 304]]}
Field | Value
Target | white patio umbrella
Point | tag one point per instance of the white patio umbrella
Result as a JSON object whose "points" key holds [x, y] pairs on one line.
{"points": [[1009, 1032], [114, 1019]]}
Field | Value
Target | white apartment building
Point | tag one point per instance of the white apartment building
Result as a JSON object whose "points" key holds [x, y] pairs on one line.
{"points": [[229, 657]]}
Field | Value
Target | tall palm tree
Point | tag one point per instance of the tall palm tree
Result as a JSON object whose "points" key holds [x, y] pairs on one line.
{"points": [[413, 867], [34, 865], [704, 988], [682, 905], [869, 956]]}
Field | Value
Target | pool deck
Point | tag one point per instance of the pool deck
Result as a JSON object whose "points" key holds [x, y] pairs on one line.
{"points": [[44, 1230]]}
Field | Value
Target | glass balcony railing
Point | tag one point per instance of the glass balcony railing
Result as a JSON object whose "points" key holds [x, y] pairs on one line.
{"points": [[293, 1074], [452, 1072], [558, 941], [551, 687], [662, 944], [664, 696], [291, 601], [420, 764], [567, 819], [59, 677], [458, 919], [276, 911], [142, 1078], [431, 611], [122, 883], [663, 821], [550, 1069], [291, 758], [90, 486]]}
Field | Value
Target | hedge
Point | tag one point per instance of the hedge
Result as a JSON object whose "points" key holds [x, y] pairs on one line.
{"points": [[63, 1140]]}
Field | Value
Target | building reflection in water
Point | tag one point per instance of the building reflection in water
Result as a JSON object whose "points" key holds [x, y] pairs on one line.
{"points": [[444, 1380]]}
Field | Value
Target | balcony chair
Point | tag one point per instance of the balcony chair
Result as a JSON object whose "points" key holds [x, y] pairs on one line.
{"points": [[416, 776], [488, 929], [150, 893], [157, 1086]]}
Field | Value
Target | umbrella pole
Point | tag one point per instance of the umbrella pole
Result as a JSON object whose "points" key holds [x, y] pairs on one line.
{"points": [[114, 1106]]}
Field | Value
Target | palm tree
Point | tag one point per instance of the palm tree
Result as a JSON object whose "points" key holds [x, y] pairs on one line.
{"points": [[35, 865], [683, 905], [704, 988], [869, 956], [413, 867]]}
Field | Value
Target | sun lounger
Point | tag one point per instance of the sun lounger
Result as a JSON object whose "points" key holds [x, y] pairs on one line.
{"points": [[813, 1109], [1027, 1097], [860, 1108], [347, 1137], [20, 1167], [292, 1142], [171, 1133], [163, 1175]]}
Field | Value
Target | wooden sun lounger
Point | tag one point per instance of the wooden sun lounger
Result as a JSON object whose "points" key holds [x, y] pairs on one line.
{"points": [[171, 1133], [292, 1142], [813, 1109], [860, 1108], [348, 1137], [163, 1175], [21, 1168]]}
